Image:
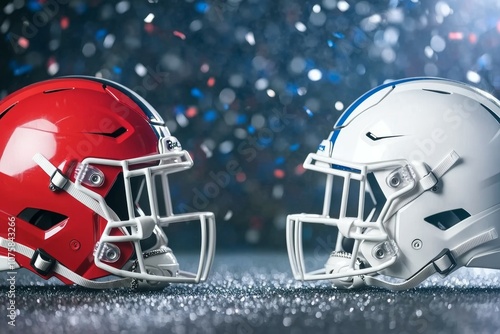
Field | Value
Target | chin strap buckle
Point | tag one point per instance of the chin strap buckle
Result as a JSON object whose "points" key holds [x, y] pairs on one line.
{"points": [[445, 262], [42, 262], [431, 179], [57, 180]]}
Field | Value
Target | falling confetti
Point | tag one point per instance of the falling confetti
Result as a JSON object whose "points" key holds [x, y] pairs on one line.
{"points": [[179, 34]]}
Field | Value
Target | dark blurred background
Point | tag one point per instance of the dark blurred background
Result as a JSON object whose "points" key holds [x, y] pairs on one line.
{"points": [[250, 87]]}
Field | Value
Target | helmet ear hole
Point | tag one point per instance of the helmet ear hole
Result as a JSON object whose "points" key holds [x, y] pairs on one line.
{"points": [[43, 219]]}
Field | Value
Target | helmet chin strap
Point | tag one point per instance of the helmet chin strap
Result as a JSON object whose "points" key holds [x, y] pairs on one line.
{"points": [[444, 263], [428, 179], [59, 182], [58, 268]]}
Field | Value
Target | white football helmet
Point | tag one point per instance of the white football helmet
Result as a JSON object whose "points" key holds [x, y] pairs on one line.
{"points": [[418, 166]]}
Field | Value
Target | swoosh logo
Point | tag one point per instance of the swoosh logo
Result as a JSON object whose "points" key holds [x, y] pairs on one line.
{"points": [[375, 138]]}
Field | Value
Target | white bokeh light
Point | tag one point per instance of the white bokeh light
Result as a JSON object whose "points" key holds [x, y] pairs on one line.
{"points": [[314, 74]]}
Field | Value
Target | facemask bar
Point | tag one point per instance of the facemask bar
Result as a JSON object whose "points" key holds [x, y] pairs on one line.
{"points": [[142, 226], [356, 228]]}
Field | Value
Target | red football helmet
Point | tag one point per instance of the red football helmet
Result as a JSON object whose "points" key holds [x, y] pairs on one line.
{"points": [[84, 163]]}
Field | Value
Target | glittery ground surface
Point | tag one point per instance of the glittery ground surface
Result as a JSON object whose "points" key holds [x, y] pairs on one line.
{"points": [[255, 293]]}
